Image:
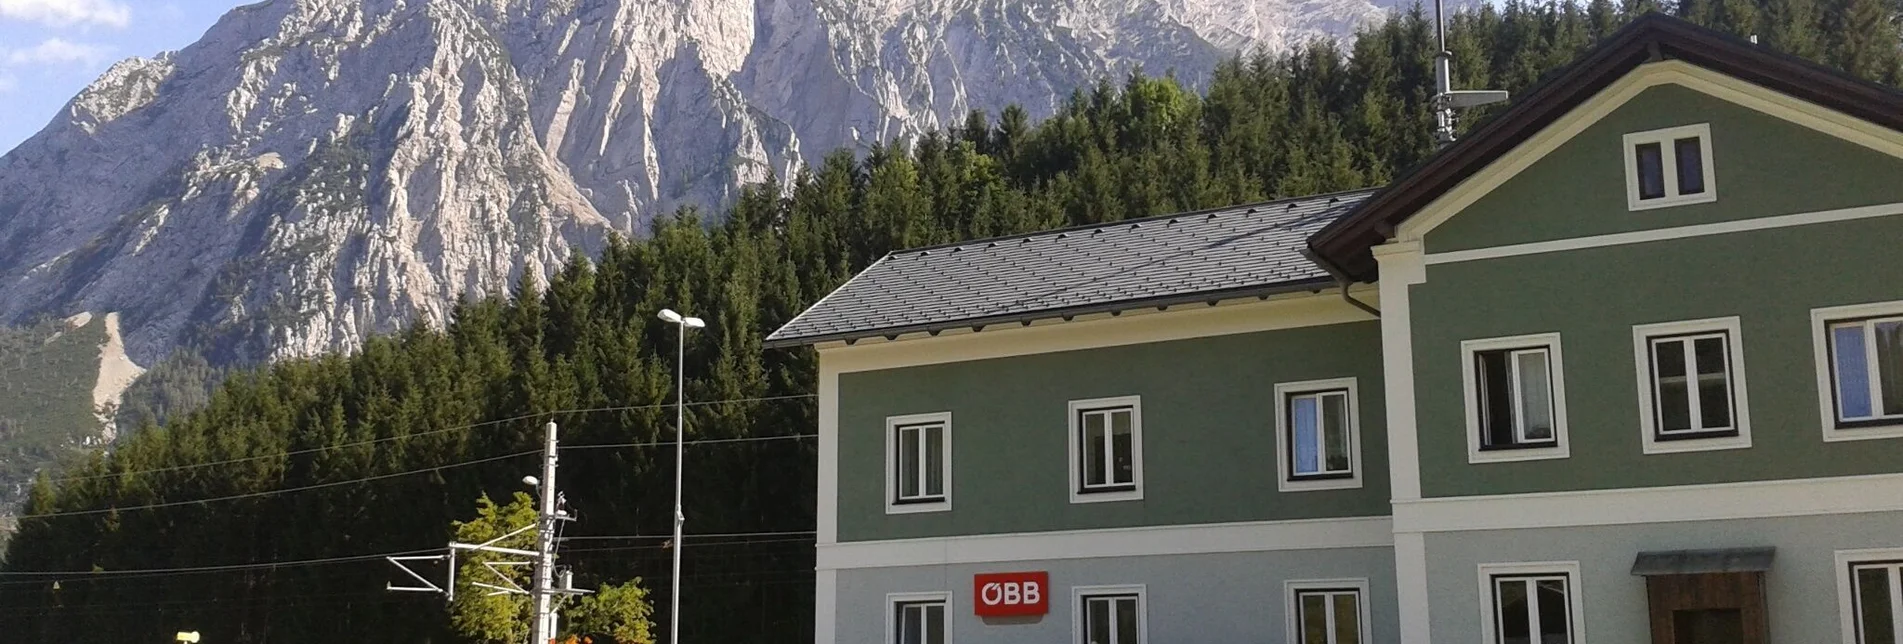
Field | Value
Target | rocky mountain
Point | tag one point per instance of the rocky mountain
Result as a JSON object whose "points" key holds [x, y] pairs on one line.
{"points": [[312, 171]]}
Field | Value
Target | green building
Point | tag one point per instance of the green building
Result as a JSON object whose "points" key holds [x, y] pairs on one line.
{"points": [[1623, 365]]}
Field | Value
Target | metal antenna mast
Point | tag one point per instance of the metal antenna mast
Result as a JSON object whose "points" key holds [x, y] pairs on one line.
{"points": [[543, 591], [1446, 99]]}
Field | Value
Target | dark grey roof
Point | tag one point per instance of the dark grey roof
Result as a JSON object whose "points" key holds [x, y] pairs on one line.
{"points": [[1239, 251], [1693, 562]]}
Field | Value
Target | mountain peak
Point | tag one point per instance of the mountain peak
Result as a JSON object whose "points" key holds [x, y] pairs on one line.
{"points": [[313, 171]]}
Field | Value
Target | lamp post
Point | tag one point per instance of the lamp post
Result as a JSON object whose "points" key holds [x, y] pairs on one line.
{"points": [[680, 442]]}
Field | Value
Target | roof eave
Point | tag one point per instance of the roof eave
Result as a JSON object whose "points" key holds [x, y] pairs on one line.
{"points": [[1263, 291]]}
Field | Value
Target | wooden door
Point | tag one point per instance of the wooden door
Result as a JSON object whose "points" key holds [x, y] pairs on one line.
{"points": [[1708, 608]]}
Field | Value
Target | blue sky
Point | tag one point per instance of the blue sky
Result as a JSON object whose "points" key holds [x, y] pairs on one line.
{"points": [[51, 49]]}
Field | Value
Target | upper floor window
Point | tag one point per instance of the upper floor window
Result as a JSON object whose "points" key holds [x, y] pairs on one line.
{"points": [[1110, 615], [1328, 612], [1106, 449], [1860, 370], [1516, 398], [1318, 443], [1870, 592], [1669, 167], [1531, 603], [919, 618], [1691, 385], [918, 469]]}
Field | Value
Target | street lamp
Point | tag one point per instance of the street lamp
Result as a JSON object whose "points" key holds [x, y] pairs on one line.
{"points": [[680, 442]]}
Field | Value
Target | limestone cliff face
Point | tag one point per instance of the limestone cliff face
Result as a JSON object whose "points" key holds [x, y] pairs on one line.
{"points": [[313, 171]]}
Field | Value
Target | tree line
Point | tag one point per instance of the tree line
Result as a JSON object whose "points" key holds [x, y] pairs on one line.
{"points": [[417, 413]]}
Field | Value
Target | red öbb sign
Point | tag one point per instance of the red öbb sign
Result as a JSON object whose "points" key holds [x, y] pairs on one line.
{"points": [[1004, 594]]}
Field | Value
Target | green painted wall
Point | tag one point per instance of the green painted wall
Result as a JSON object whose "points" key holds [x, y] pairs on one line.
{"points": [[1764, 165], [1208, 441], [1771, 279]]}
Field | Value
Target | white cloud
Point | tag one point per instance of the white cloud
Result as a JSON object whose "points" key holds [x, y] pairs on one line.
{"points": [[56, 51], [62, 13]]}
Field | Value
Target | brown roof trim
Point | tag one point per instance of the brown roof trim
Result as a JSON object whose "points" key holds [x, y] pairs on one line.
{"points": [[1347, 242]]}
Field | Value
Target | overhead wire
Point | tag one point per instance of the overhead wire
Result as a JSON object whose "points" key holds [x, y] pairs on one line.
{"points": [[183, 570], [422, 470], [263, 493], [433, 432]]}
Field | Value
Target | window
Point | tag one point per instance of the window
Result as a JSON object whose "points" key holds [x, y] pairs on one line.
{"points": [[1691, 386], [1318, 435], [1328, 612], [919, 618], [1860, 370], [918, 470], [1516, 402], [1670, 167], [1110, 615], [1531, 603], [1870, 593], [1106, 449]]}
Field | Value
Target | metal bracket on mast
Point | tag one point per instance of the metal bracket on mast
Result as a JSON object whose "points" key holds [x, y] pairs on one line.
{"points": [[403, 564], [509, 586], [1446, 98]]}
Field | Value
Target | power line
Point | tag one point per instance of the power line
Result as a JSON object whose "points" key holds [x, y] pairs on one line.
{"points": [[80, 574], [247, 495], [433, 432], [250, 495], [182, 570], [705, 441], [707, 535]]}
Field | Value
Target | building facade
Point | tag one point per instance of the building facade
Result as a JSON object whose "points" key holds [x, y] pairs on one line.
{"points": [[1636, 375]]}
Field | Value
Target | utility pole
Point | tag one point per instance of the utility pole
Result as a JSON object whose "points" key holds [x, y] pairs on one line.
{"points": [[543, 591], [545, 563]]}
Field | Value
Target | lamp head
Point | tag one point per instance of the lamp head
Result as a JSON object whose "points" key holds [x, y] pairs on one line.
{"points": [[670, 316], [531, 481], [694, 323]]}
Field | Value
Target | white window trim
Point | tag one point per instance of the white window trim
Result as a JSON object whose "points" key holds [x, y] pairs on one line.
{"points": [[1668, 161], [892, 601], [1077, 594], [1562, 447], [892, 424], [1845, 591], [1820, 318], [1075, 482], [1642, 335], [1283, 449], [1574, 593], [1291, 587]]}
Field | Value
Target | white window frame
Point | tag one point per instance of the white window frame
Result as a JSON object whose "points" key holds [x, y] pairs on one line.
{"points": [[1076, 481], [1642, 337], [1291, 588], [892, 425], [1668, 163], [1575, 595], [1470, 383], [892, 601], [1079, 593], [1821, 318], [1284, 450], [1846, 587]]}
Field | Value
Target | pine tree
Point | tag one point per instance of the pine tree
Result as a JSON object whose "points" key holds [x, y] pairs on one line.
{"points": [[1793, 26], [1865, 38]]}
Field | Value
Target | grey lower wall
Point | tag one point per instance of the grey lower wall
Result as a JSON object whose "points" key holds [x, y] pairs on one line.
{"points": [[1801, 586], [1205, 599]]}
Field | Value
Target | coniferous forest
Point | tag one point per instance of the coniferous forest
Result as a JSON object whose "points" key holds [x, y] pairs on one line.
{"points": [[317, 468]]}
